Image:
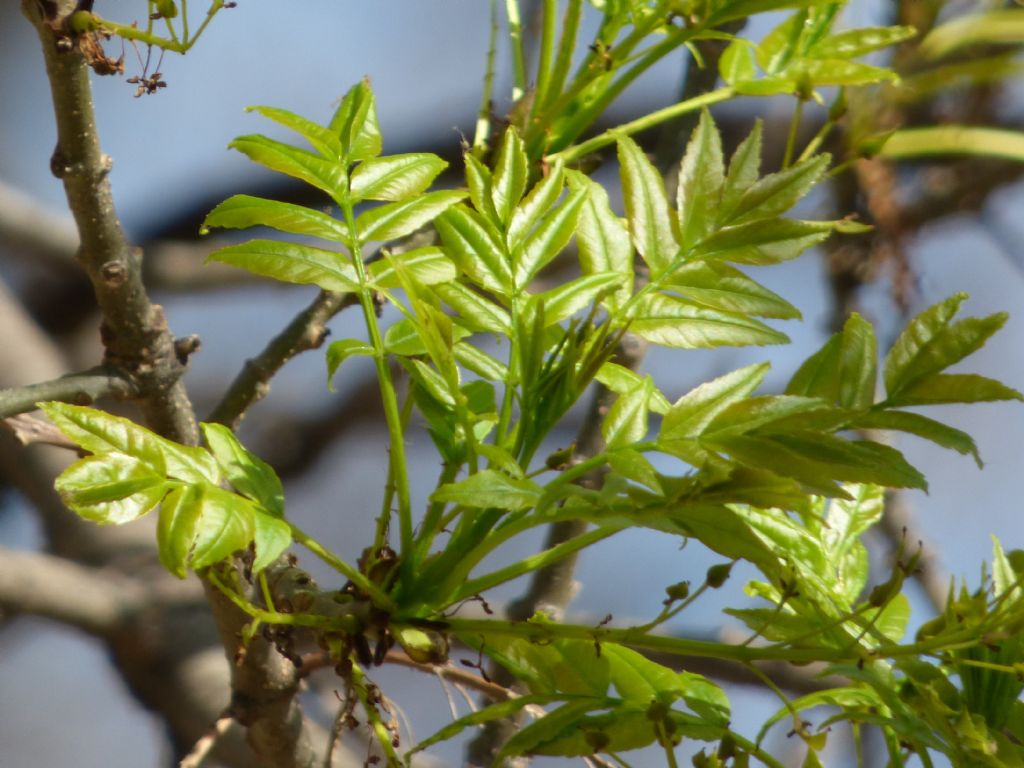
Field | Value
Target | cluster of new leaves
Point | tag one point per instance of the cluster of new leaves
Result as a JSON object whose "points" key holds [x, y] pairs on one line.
{"points": [[131, 471]]}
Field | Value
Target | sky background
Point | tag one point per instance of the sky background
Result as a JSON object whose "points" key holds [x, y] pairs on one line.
{"points": [[423, 57]]}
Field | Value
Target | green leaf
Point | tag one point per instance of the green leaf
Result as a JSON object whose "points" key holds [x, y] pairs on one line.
{"points": [[997, 27], [480, 363], [243, 211], [271, 537], [701, 177], [602, 239], [821, 72], [819, 460], [475, 247], [719, 286], [176, 528], [622, 380], [427, 266], [646, 208], [858, 364], [626, 422], [291, 263], [428, 379], [532, 738], [634, 466], [480, 183], [737, 64], [99, 432], [691, 414], [247, 472], [111, 488], [323, 140], [916, 424], [569, 298], [225, 526], [355, 123], [744, 170], [542, 198], [954, 388], [759, 413], [550, 236], [395, 177], [852, 43], [818, 376], [674, 322], [846, 521], [339, 352], [511, 173], [930, 343], [476, 312], [395, 220], [909, 143], [763, 242], [777, 193], [327, 175], [487, 489]]}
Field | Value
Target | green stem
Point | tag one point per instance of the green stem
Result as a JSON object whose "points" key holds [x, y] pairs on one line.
{"points": [[573, 153], [534, 562], [515, 40], [756, 751], [380, 730], [375, 593], [794, 129], [482, 133], [389, 398], [547, 51]]}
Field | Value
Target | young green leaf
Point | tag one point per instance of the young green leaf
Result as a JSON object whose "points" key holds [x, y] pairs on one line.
{"points": [[101, 433], [242, 211], [480, 183], [777, 193], [701, 177], [511, 173], [271, 536], [247, 472], [546, 241], [395, 220], [480, 363], [674, 322], [489, 488], [340, 351], [718, 286], [737, 63], [225, 526], [323, 140], [475, 247], [759, 413], [763, 242], [744, 171], [291, 263], [569, 298], [622, 380], [852, 43], [395, 177], [542, 198], [475, 312], [691, 414], [111, 488], [954, 388], [355, 123], [602, 239], [646, 208], [326, 175], [626, 422], [858, 364], [930, 343], [426, 266], [922, 426], [176, 528]]}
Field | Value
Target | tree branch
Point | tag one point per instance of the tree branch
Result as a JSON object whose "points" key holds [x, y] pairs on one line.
{"points": [[52, 587], [82, 388]]}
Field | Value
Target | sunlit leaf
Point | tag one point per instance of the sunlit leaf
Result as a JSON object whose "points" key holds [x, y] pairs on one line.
{"points": [[475, 247], [602, 239], [718, 286], [327, 175], [427, 266], [176, 528], [291, 263], [111, 488], [674, 322], [647, 209], [550, 236], [776, 193], [569, 298], [395, 177], [489, 488], [323, 140], [763, 242], [511, 173], [701, 177], [247, 472], [922, 426], [225, 526], [394, 220], [242, 211], [355, 123]]}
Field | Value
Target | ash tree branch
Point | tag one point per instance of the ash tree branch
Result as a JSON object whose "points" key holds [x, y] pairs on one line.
{"points": [[83, 388], [38, 584]]}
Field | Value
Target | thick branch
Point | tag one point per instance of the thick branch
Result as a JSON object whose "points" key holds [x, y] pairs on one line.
{"points": [[82, 388], [55, 588]]}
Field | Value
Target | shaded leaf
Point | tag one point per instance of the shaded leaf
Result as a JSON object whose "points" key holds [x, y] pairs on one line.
{"points": [[777, 193], [955, 388], [531, 210], [476, 312], [427, 266], [852, 43], [744, 170], [475, 247], [247, 472], [691, 414], [602, 239], [569, 298], [701, 177], [480, 363], [922, 426], [271, 537], [626, 421], [550, 236], [763, 242], [339, 351]]}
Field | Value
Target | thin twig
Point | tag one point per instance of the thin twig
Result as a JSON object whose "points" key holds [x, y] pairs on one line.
{"points": [[82, 388], [205, 745]]}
